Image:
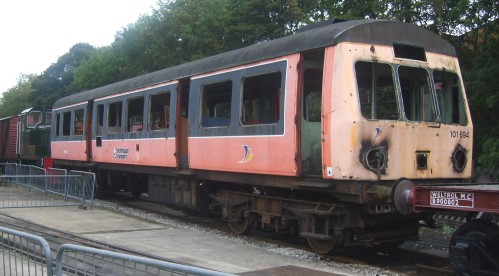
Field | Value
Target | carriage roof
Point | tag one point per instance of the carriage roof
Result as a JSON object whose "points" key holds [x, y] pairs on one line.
{"points": [[375, 32]]}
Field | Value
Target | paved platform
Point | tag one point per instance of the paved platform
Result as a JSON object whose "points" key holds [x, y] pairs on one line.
{"points": [[192, 246]]}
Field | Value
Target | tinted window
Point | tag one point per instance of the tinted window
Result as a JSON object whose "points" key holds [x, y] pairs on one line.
{"points": [[159, 111], [261, 102], [114, 118], [57, 124], [135, 111], [78, 122], [100, 119], [216, 104], [66, 123]]}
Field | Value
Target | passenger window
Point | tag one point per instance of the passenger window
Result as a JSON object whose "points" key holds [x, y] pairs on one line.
{"points": [[66, 123], [100, 119], [34, 118], [216, 104], [312, 90], [78, 122], [135, 111], [159, 111], [261, 99], [416, 94], [57, 124], [377, 94], [114, 118], [450, 98]]}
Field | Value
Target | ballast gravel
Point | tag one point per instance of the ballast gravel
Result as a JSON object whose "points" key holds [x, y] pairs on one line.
{"points": [[168, 217]]}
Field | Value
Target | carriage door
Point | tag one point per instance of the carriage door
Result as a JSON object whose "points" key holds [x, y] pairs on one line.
{"points": [[182, 132], [311, 98]]}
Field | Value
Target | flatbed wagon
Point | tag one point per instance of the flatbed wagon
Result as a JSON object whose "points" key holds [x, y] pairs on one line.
{"points": [[474, 246]]}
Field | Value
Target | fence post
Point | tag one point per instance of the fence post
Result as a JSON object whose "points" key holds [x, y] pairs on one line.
{"points": [[30, 172], [82, 191], [17, 174], [66, 187], [46, 182]]}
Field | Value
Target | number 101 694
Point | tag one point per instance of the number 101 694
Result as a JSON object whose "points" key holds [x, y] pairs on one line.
{"points": [[459, 134]]}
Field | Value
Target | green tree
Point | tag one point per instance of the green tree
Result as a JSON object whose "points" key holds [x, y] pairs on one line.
{"points": [[482, 83], [352, 9], [198, 28], [320, 10], [179, 31], [15, 99], [253, 21], [101, 68], [55, 81]]}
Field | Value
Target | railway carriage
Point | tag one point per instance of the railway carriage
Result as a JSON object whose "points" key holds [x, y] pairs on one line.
{"points": [[25, 137], [8, 138], [310, 133]]}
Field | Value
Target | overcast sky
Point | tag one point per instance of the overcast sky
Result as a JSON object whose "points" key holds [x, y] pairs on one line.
{"points": [[35, 33]]}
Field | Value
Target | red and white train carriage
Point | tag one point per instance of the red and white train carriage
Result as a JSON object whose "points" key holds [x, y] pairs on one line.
{"points": [[312, 132]]}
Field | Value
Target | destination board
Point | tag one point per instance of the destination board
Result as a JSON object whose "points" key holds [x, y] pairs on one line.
{"points": [[454, 199]]}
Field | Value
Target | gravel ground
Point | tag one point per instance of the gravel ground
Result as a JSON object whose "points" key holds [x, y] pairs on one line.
{"points": [[169, 219]]}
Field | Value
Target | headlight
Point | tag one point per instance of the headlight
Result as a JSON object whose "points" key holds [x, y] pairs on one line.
{"points": [[375, 159], [459, 158]]}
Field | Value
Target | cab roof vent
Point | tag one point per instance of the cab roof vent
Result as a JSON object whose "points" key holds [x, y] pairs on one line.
{"points": [[409, 52]]}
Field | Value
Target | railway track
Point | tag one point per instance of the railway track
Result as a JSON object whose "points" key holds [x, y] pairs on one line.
{"points": [[397, 260]]}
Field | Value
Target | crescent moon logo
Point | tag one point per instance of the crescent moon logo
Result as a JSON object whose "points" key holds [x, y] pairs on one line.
{"points": [[248, 155], [378, 132]]}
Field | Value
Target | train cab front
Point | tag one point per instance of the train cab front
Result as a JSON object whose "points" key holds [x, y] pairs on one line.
{"points": [[396, 111], [395, 116]]}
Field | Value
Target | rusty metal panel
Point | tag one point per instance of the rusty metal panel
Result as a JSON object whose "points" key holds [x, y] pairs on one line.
{"points": [[482, 198]]}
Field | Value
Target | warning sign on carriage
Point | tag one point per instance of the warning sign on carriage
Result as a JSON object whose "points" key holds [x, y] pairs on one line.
{"points": [[454, 199]]}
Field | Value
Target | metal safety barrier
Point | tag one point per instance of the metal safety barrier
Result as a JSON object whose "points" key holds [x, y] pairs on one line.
{"points": [[24, 254], [30, 186], [79, 260], [81, 186], [59, 181], [27, 254]]}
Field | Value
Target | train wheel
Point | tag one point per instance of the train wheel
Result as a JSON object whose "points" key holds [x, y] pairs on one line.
{"points": [[477, 230], [238, 223], [322, 246]]}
